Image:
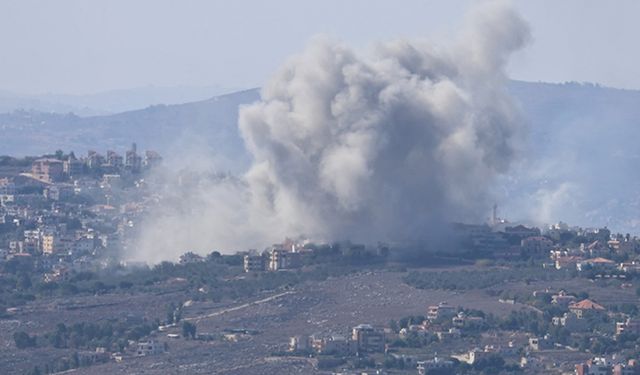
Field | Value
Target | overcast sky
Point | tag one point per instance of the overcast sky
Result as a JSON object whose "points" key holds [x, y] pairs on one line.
{"points": [[82, 46]]}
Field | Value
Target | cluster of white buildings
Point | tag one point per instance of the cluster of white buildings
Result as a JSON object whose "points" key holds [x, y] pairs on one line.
{"points": [[364, 339], [279, 257]]}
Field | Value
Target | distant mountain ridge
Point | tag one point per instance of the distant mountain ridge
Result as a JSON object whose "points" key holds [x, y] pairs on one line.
{"points": [[107, 102], [156, 127], [578, 165]]}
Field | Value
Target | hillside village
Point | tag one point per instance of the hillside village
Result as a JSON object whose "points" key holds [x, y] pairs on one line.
{"points": [[562, 299]]}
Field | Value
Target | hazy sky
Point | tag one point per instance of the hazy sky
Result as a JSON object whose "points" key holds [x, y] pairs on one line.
{"points": [[83, 46]]}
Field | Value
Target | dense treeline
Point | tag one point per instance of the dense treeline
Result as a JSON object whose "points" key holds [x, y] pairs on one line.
{"points": [[8, 161], [112, 335]]}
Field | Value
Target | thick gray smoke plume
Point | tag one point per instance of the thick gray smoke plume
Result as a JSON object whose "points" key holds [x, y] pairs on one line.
{"points": [[371, 147], [380, 147]]}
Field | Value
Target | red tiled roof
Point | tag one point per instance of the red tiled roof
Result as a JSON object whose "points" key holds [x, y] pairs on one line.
{"points": [[586, 304], [595, 244], [599, 260]]}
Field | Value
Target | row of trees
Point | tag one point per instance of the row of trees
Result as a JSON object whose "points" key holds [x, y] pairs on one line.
{"points": [[108, 334]]}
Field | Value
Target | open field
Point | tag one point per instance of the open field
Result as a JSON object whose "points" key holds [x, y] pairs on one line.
{"points": [[330, 306]]}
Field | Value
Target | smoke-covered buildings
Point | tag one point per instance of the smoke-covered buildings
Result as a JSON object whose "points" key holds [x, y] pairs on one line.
{"points": [[133, 162], [536, 246], [253, 263], [151, 159], [478, 238], [58, 214], [280, 259]]}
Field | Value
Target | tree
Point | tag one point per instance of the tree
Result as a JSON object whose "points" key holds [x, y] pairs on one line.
{"points": [[98, 286], [394, 325], [57, 339], [214, 256], [23, 340], [170, 313], [188, 329], [75, 360], [493, 362], [326, 363], [24, 281], [582, 295], [74, 224]]}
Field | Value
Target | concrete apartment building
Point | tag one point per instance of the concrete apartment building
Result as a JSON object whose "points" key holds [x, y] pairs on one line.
{"points": [[538, 246], [59, 192], [367, 338], [152, 159], [114, 159], [364, 339], [280, 259], [150, 347], [253, 263], [73, 167], [333, 344], [133, 162], [440, 311], [53, 243], [49, 170], [300, 344]]}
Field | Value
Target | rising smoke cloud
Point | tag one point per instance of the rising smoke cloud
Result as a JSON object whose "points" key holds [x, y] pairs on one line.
{"points": [[373, 147]]}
